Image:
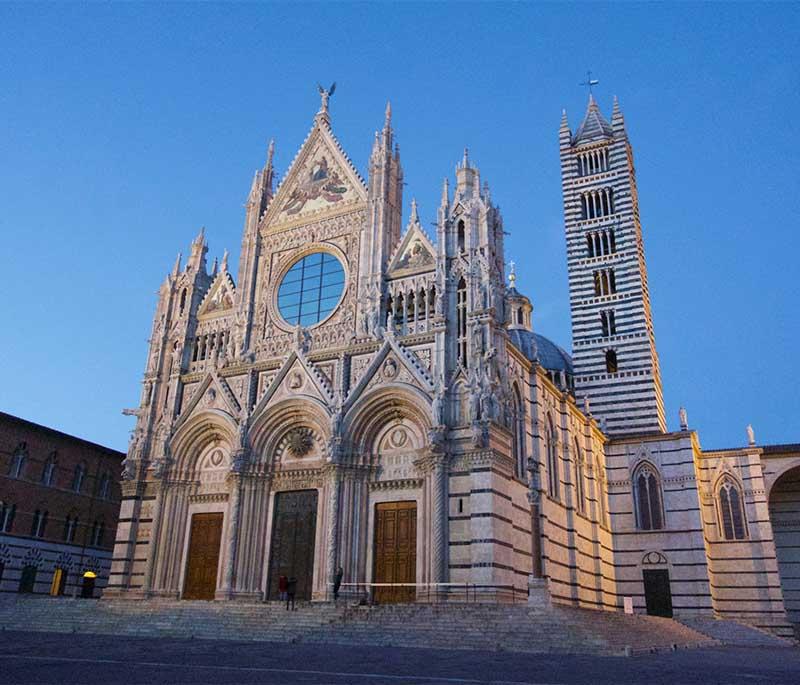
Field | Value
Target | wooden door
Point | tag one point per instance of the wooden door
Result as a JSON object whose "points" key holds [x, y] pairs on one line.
{"points": [[201, 566], [657, 593], [395, 550], [294, 529]]}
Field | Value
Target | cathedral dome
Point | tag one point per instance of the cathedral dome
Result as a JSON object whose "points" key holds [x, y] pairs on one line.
{"points": [[539, 349]]}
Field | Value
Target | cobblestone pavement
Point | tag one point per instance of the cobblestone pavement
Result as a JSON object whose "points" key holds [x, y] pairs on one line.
{"points": [[71, 658]]}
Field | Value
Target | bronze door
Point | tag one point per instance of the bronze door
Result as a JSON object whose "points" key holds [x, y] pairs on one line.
{"points": [[292, 548], [657, 594], [395, 550], [201, 566]]}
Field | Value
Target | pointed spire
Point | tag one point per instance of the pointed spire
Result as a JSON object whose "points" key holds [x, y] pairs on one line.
{"points": [[224, 266], [564, 122], [445, 193], [388, 120], [465, 161], [594, 125], [177, 268], [617, 120], [197, 258], [214, 268], [414, 219], [270, 152]]}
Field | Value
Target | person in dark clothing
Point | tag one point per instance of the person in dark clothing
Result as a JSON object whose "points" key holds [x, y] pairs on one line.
{"points": [[291, 589], [283, 582], [337, 582]]}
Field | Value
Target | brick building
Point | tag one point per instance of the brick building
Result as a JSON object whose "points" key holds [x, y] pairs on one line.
{"points": [[59, 500]]}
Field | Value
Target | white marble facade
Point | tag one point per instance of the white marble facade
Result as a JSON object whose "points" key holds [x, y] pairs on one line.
{"points": [[371, 365]]}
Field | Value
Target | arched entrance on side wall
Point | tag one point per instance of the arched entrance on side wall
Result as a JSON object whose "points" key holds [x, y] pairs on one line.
{"points": [[784, 513]]}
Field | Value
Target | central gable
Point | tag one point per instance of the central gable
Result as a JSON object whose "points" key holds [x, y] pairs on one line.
{"points": [[322, 180]]}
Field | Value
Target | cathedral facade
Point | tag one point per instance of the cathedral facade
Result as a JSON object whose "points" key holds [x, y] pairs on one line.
{"points": [[362, 397]]}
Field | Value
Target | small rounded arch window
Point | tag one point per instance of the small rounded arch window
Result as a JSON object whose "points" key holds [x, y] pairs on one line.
{"points": [[311, 289]]}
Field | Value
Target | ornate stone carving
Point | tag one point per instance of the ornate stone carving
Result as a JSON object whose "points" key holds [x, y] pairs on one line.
{"points": [[299, 442]]}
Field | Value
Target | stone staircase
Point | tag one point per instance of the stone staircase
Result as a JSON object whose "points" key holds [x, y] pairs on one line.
{"points": [[731, 632], [497, 627]]}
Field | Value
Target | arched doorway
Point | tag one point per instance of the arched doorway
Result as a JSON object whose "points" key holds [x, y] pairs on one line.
{"points": [[784, 513]]}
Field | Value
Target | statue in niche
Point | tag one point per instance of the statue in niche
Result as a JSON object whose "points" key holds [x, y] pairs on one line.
{"points": [[437, 405]]}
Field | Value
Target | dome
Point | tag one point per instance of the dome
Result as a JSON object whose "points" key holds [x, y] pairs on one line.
{"points": [[539, 349]]}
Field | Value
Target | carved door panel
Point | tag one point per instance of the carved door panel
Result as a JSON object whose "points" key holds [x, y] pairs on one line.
{"points": [[201, 566], [292, 548], [395, 550]]}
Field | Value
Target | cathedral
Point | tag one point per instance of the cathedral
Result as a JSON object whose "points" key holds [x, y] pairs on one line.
{"points": [[369, 402]]}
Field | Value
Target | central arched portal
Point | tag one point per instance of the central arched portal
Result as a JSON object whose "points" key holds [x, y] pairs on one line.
{"points": [[784, 513], [294, 529]]}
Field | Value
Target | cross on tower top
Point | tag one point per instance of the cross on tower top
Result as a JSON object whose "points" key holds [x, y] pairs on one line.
{"points": [[589, 82]]}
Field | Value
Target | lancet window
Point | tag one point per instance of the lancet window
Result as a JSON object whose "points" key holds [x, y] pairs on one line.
{"points": [[49, 470], [70, 527], [17, 466], [731, 511], [7, 512], [78, 477], [519, 434], [608, 322], [612, 366], [461, 320], [551, 448], [39, 523], [580, 485], [647, 496]]}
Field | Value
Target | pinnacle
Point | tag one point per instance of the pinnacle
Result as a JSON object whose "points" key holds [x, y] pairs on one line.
{"points": [[270, 152], [224, 266], [414, 214], [388, 112]]}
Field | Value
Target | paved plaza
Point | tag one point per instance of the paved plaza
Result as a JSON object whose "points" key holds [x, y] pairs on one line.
{"points": [[27, 657]]}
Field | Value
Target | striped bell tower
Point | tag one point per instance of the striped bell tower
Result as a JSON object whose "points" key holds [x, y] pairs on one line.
{"points": [[613, 343]]}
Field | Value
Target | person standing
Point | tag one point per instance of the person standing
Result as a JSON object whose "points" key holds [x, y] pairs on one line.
{"points": [[283, 583], [291, 589], [337, 582]]}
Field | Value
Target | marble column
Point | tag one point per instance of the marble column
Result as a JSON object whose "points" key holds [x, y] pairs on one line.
{"points": [[232, 537], [332, 557], [155, 534], [439, 519]]}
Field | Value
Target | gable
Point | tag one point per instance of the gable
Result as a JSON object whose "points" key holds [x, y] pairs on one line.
{"points": [[321, 180], [220, 296], [415, 253]]}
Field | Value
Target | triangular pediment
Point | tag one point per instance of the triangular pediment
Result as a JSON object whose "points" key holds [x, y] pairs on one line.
{"points": [[392, 363], [297, 378], [220, 296], [415, 252], [321, 180], [211, 393]]}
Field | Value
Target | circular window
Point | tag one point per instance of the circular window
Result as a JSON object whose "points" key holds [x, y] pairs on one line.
{"points": [[311, 289]]}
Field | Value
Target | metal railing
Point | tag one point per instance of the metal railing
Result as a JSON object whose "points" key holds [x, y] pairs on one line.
{"points": [[410, 593]]}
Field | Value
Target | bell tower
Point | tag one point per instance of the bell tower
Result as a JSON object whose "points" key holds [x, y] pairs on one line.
{"points": [[613, 342]]}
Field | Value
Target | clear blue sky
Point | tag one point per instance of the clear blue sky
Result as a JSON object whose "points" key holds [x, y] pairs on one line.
{"points": [[126, 127]]}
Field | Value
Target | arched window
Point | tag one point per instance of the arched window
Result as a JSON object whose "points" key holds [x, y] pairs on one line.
{"points": [[70, 526], [519, 434], [39, 523], [580, 485], [49, 470], [461, 237], [647, 496], [78, 477], [461, 320], [17, 466], [7, 511], [552, 459], [104, 490], [731, 511], [611, 361], [98, 532]]}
